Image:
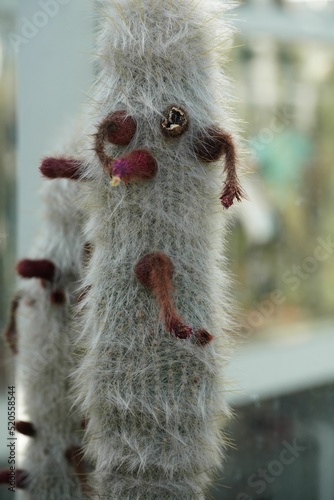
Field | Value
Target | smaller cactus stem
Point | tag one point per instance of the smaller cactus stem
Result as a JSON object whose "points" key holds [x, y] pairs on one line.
{"points": [[66, 168], [43, 269], [21, 478], [11, 330], [25, 428], [155, 271]]}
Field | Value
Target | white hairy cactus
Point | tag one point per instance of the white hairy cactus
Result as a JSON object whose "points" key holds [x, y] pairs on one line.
{"points": [[154, 322], [41, 336], [156, 316]]}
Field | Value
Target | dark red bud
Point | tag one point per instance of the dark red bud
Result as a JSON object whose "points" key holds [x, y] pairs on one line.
{"points": [[135, 166], [43, 269], [67, 168], [25, 428], [119, 128]]}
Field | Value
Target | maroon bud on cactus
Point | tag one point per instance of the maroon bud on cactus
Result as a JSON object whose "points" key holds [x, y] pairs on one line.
{"points": [[67, 168], [58, 297], [119, 128], [202, 337], [25, 428], [135, 166], [43, 269], [175, 122]]}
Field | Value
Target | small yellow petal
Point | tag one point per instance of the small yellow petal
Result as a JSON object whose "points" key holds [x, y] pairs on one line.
{"points": [[115, 181]]}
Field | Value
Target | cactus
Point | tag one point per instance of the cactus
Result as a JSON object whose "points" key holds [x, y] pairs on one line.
{"points": [[41, 336], [157, 315], [154, 321]]}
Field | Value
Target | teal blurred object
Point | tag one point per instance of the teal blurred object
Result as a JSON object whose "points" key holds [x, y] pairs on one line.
{"points": [[282, 160]]}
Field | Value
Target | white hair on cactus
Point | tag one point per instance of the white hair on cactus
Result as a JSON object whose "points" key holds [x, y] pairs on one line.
{"points": [[45, 355], [155, 403]]}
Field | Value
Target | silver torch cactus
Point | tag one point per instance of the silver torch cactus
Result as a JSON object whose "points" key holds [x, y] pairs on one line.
{"points": [[155, 173]]}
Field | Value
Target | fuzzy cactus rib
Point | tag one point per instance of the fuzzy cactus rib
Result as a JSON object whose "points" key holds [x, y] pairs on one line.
{"points": [[45, 355], [155, 403]]}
